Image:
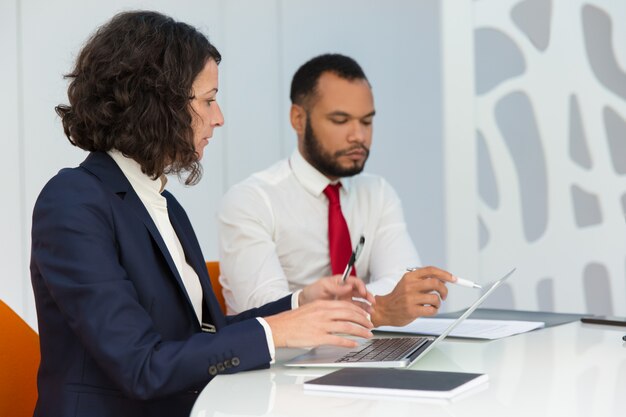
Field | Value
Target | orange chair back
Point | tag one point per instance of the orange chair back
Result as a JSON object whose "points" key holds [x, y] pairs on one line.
{"points": [[214, 273], [19, 360]]}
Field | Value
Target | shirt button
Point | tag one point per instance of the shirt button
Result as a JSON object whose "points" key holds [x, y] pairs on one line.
{"points": [[228, 364], [220, 367], [235, 361], [212, 370]]}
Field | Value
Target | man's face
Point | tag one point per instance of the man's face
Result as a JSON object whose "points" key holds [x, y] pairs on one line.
{"points": [[338, 128]]}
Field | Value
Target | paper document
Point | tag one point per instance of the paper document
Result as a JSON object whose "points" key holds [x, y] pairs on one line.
{"points": [[474, 329]]}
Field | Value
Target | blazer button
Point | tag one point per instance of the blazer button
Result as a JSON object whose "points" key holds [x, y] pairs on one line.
{"points": [[235, 361], [213, 370], [220, 367], [228, 364]]}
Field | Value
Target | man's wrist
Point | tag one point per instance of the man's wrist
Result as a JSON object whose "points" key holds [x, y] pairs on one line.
{"points": [[378, 313]]}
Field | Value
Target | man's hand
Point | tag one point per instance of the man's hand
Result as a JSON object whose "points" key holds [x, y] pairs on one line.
{"points": [[331, 288], [319, 323], [418, 293]]}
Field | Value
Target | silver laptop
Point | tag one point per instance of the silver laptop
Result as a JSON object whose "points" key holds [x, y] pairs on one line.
{"points": [[385, 352]]}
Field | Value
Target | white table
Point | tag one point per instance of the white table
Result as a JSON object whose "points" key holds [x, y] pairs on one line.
{"points": [[570, 370]]}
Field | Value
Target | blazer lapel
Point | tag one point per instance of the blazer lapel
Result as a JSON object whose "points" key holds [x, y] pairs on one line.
{"points": [[104, 167], [193, 255]]}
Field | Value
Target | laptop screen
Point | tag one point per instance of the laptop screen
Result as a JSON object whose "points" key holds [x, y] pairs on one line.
{"points": [[469, 311]]}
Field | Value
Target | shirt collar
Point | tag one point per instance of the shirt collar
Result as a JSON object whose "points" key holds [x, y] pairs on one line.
{"points": [[141, 182], [310, 178]]}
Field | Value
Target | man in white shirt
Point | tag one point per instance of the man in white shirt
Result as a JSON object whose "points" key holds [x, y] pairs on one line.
{"points": [[274, 226]]}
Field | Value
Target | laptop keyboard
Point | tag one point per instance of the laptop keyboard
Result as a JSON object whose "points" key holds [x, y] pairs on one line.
{"points": [[384, 349]]}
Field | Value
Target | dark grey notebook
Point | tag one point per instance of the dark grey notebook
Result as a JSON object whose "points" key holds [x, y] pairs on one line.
{"points": [[385, 381]]}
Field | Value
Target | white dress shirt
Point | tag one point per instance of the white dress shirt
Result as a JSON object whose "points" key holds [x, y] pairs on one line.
{"points": [[273, 233], [149, 192]]}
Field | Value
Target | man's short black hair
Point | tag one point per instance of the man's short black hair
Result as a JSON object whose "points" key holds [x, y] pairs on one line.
{"points": [[304, 82]]}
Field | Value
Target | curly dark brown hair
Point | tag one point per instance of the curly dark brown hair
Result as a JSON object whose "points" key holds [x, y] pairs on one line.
{"points": [[131, 89]]}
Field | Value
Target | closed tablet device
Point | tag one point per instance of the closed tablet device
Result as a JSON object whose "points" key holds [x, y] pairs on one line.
{"points": [[387, 381]]}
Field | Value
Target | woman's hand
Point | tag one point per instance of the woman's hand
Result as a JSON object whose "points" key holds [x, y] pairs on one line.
{"points": [[332, 288], [320, 322]]}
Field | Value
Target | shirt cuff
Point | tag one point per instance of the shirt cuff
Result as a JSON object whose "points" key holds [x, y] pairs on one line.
{"points": [[382, 286], [270, 339], [294, 300]]}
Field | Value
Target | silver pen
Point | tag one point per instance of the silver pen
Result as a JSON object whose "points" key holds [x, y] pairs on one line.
{"points": [[353, 258], [459, 281]]}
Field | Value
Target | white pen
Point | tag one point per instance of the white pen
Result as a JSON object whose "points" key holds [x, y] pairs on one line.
{"points": [[459, 281]]}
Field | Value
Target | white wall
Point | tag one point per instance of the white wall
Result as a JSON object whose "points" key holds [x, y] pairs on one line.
{"points": [[262, 43]]}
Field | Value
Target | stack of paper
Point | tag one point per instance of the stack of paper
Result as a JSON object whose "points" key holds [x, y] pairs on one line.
{"points": [[474, 329]]}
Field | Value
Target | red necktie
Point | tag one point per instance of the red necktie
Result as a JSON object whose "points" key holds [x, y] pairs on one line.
{"points": [[338, 234]]}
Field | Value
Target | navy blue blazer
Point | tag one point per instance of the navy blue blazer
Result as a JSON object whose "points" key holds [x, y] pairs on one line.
{"points": [[118, 333]]}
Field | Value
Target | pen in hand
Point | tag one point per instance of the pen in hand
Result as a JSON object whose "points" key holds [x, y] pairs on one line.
{"points": [[353, 258], [459, 281]]}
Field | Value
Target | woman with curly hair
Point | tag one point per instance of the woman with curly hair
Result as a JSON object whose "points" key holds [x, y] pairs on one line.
{"points": [[129, 324]]}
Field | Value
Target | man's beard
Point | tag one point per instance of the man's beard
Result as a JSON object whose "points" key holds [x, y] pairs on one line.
{"points": [[327, 163]]}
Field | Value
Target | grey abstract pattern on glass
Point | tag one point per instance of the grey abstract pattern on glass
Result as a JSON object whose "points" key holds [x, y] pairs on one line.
{"points": [[616, 136], [624, 205], [597, 289], [550, 109], [587, 210], [597, 27], [516, 120], [545, 294], [497, 58], [504, 299], [487, 186], [483, 233], [533, 18], [578, 148]]}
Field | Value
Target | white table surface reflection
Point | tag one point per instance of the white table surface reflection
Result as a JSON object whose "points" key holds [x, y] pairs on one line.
{"points": [[570, 370]]}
